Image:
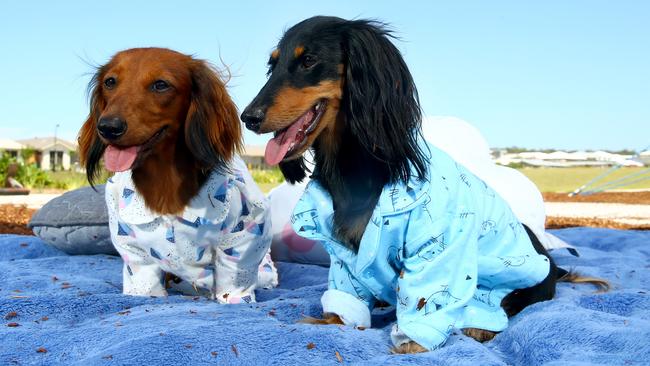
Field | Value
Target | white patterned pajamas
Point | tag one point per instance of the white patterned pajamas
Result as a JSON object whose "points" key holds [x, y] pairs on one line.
{"points": [[220, 244]]}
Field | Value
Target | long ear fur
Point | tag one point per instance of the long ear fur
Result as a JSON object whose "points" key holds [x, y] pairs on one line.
{"points": [[91, 148], [212, 129], [295, 170], [381, 100]]}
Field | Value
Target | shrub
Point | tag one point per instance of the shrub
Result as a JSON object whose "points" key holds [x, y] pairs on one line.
{"points": [[267, 176], [29, 175]]}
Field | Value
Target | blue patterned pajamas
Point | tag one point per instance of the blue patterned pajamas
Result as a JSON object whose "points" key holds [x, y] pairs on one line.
{"points": [[444, 251]]}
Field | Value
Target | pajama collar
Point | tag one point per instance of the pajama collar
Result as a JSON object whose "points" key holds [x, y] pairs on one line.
{"points": [[314, 213], [208, 206]]}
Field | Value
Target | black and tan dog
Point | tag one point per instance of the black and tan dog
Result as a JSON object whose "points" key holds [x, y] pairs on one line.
{"points": [[342, 88]]}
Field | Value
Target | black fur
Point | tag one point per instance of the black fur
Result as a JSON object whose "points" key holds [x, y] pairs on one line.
{"points": [[382, 123], [381, 101], [355, 180], [517, 300], [379, 121], [378, 128], [294, 171]]}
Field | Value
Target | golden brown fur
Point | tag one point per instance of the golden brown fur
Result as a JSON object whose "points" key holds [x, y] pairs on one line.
{"points": [[573, 277], [291, 103], [199, 123], [327, 319]]}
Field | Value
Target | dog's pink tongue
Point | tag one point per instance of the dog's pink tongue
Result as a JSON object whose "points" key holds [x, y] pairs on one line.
{"points": [[119, 160], [277, 147]]}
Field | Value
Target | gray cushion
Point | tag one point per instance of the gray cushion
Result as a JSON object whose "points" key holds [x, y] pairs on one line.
{"points": [[76, 222]]}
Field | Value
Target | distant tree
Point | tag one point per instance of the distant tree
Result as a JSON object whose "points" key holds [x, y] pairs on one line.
{"points": [[515, 150], [623, 152]]}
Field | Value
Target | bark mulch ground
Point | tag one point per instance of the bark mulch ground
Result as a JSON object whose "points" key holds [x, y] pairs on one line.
{"points": [[565, 222], [13, 219], [639, 198]]}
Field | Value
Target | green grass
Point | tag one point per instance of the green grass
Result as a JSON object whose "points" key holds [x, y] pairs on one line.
{"points": [[568, 179], [272, 176], [267, 179], [546, 179], [68, 180]]}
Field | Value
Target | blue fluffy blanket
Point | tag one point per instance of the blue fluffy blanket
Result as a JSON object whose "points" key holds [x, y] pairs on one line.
{"points": [[61, 309]]}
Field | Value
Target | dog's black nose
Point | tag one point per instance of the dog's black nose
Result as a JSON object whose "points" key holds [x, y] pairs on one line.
{"points": [[111, 128], [253, 117]]}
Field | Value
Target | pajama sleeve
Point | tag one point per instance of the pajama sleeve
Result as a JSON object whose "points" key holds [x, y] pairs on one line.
{"points": [[140, 275], [245, 242], [347, 297], [438, 279]]}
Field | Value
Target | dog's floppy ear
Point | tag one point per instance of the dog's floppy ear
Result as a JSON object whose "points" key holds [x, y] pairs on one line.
{"points": [[295, 170], [91, 148], [381, 100], [212, 129]]}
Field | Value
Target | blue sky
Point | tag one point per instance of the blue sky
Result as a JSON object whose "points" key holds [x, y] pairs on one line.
{"points": [[556, 74]]}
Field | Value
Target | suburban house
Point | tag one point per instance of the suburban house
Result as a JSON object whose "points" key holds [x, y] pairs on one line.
{"points": [[253, 156], [11, 147], [51, 153]]}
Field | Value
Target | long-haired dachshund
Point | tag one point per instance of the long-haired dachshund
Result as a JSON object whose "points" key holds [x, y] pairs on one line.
{"points": [[181, 203], [402, 221]]}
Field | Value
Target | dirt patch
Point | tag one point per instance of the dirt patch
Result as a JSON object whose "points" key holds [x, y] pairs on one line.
{"points": [[13, 219], [638, 198], [566, 222]]}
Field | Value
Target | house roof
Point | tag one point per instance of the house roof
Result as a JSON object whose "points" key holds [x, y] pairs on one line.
{"points": [[254, 150], [43, 143], [6, 144]]}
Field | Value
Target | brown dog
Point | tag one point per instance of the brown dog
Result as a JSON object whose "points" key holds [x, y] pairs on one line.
{"points": [[166, 116], [181, 201]]}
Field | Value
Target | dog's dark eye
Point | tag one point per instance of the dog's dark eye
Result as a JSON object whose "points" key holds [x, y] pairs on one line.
{"points": [[160, 86], [308, 61], [110, 83]]}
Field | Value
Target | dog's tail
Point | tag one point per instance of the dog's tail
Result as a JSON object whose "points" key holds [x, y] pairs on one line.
{"points": [[570, 276]]}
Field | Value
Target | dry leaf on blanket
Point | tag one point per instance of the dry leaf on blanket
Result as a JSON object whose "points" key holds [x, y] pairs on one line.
{"points": [[338, 356]]}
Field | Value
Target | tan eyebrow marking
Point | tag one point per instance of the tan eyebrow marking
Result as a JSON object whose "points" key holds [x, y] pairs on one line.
{"points": [[275, 54], [298, 51]]}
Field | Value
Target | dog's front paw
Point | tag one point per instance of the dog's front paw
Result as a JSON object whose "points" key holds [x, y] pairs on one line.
{"points": [[327, 319], [480, 335], [410, 347]]}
